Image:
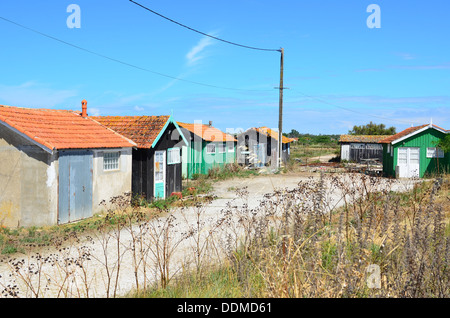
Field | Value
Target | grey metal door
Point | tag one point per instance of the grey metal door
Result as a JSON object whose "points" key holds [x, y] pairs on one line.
{"points": [[260, 152], [75, 186]]}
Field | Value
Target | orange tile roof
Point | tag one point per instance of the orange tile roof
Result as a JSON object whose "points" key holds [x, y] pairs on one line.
{"points": [[362, 138], [207, 133], [61, 129], [401, 134], [273, 133], [143, 130]]}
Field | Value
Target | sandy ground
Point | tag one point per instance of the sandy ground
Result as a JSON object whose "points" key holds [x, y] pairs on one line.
{"points": [[70, 273], [324, 158]]}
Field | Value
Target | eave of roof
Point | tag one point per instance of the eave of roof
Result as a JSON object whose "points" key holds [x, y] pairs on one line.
{"points": [[53, 129], [273, 134], [145, 131], [362, 138], [207, 133], [409, 132]]}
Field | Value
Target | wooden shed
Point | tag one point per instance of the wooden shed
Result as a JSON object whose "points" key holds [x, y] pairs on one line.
{"points": [[57, 166], [357, 148], [258, 147], [157, 158], [208, 147], [412, 153]]}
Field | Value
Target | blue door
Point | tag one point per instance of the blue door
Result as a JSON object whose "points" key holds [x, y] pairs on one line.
{"points": [[75, 186]]}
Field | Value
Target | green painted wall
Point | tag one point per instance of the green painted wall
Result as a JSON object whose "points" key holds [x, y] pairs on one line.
{"points": [[196, 159], [422, 140]]}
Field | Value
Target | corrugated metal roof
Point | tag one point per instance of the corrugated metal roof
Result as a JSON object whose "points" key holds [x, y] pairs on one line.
{"points": [[207, 132], [362, 138], [143, 130], [61, 129]]}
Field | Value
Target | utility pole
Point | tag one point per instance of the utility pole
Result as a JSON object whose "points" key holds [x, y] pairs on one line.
{"points": [[280, 113]]}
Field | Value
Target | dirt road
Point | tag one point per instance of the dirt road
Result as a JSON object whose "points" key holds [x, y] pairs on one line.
{"points": [[105, 266]]}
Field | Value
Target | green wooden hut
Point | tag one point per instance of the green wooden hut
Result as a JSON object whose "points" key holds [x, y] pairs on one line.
{"points": [[412, 153], [208, 147]]}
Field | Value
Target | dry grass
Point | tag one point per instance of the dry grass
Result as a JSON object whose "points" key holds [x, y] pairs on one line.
{"points": [[380, 245], [296, 243]]}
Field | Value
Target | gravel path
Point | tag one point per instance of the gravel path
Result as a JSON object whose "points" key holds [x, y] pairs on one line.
{"points": [[99, 267]]}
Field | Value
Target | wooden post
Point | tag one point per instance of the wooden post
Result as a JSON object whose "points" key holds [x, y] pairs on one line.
{"points": [[280, 114]]}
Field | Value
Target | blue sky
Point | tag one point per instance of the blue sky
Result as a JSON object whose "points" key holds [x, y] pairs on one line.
{"points": [[339, 71]]}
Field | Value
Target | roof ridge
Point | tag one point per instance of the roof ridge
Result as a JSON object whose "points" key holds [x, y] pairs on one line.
{"points": [[38, 109], [142, 130], [50, 130], [205, 127], [407, 132]]}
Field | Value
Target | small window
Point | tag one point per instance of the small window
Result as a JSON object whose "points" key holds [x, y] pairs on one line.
{"points": [[431, 153], [221, 147], [111, 161], [231, 147], [173, 156], [211, 148]]}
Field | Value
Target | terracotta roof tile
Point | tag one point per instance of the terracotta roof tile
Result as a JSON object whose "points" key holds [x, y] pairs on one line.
{"points": [[206, 132], [143, 130], [61, 129], [362, 138], [401, 134], [273, 133]]}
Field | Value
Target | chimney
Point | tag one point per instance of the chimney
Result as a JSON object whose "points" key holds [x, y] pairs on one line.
{"points": [[84, 109], [210, 123]]}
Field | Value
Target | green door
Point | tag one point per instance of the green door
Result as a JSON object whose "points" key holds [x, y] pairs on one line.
{"points": [[159, 174]]}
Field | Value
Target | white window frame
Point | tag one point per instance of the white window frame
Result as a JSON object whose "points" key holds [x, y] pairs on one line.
{"points": [[162, 170], [432, 153], [208, 151], [223, 146], [111, 161], [230, 146], [173, 156]]}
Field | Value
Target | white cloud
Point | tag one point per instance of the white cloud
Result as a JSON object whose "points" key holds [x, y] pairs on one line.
{"points": [[197, 52], [405, 56], [443, 66], [93, 111], [32, 94]]}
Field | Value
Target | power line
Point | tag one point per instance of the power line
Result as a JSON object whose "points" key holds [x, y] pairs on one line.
{"points": [[203, 33], [126, 63], [181, 79], [354, 111]]}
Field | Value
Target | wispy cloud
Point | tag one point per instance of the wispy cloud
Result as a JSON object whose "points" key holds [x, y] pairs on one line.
{"points": [[443, 66], [363, 70], [33, 94], [380, 100], [405, 56], [193, 57], [94, 111], [197, 53]]}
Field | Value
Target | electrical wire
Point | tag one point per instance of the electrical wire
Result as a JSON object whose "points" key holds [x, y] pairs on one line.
{"points": [[126, 63], [355, 111], [184, 80], [203, 33], [264, 49]]}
